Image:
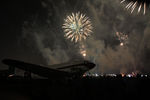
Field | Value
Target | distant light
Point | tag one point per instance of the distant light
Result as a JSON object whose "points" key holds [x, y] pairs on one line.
{"points": [[96, 75], [142, 75], [129, 75], [101, 75], [145, 75], [121, 44], [11, 75], [84, 75], [123, 75], [112, 75]]}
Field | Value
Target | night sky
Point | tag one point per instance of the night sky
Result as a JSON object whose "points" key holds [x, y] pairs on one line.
{"points": [[13, 15], [31, 31]]}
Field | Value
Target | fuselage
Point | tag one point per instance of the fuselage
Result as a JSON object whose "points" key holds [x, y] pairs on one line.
{"points": [[68, 69]]}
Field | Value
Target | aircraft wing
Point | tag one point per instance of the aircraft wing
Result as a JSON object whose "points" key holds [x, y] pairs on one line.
{"points": [[37, 69]]}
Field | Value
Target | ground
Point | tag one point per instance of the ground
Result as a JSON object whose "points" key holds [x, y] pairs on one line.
{"points": [[86, 88]]}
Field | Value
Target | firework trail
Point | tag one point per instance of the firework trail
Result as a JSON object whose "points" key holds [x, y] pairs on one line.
{"points": [[123, 38], [83, 51], [77, 27], [140, 4]]}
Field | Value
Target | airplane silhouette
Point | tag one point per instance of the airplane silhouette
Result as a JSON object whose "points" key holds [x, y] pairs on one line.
{"points": [[73, 69]]}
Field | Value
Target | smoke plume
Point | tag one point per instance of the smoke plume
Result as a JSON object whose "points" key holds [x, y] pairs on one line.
{"points": [[108, 17]]}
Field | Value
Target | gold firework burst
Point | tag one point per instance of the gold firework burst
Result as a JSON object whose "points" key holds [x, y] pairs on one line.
{"points": [[140, 4], [77, 27]]}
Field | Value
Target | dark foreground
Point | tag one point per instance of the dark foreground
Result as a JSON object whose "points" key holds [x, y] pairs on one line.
{"points": [[83, 89]]}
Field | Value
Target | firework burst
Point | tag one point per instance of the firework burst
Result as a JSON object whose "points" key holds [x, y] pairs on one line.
{"points": [[123, 38], [139, 4], [77, 27]]}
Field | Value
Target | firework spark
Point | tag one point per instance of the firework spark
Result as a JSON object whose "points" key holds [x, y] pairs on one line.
{"points": [[77, 27], [123, 38], [140, 4], [82, 50]]}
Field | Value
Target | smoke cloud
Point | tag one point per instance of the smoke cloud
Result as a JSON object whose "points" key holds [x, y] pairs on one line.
{"points": [[108, 17]]}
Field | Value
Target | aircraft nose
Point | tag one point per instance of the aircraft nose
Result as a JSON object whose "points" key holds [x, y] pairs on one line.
{"points": [[4, 61], [91, 65]]}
